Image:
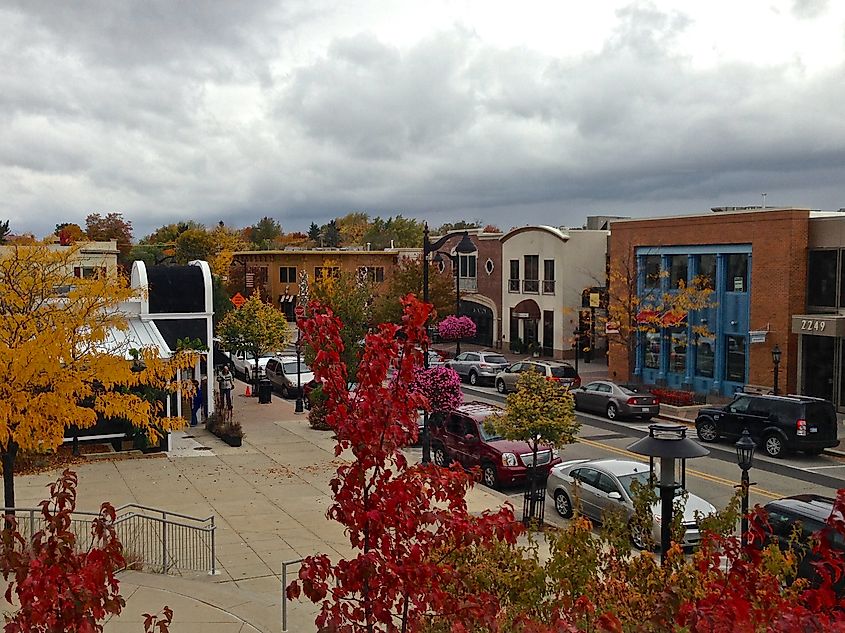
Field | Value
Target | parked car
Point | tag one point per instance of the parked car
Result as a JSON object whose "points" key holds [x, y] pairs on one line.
{"points": [[244, 365], [777, 423], [616, 401], [562, 373], [808, 513], [478, 367], [282, 372], [606, 485], [460, 436]]}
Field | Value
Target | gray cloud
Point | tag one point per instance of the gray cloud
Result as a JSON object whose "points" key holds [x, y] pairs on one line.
{"points": [[172, 110]]}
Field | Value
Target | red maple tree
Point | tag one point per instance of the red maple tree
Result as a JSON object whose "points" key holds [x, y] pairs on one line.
{"points": [[57, 587], [397, 515]]}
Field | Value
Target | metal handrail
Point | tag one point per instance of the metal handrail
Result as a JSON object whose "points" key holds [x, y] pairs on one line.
{"points": [[165, 544]]}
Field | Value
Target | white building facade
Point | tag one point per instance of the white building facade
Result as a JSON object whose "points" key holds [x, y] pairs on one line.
{"points": [[545, 270]]}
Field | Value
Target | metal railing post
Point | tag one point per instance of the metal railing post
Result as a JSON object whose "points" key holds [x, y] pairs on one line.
{"points": [[213, 561], [284, 597], [163, 542], [31, 524]]}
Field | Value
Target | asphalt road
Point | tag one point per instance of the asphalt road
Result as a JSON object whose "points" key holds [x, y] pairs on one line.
{"points": [[713, 477]]}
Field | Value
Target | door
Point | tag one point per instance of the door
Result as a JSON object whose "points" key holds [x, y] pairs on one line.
{"points": [[271, 371], [472, 448], [602, 396], [605, 486], [756, 418], [588, 479], [511, 376], [459, 363], [530, 328], [548, 333], [731, 423], [453, 437], [587, 397]]}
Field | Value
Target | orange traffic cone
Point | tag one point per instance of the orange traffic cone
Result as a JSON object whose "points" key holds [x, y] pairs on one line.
{"points": [[248, 393]]}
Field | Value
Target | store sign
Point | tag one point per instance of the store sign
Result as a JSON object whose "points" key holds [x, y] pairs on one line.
{"points": [[815, 325]]}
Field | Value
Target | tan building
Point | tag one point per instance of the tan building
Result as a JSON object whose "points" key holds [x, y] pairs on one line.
{"points": [[91, 257], [278, 273]]}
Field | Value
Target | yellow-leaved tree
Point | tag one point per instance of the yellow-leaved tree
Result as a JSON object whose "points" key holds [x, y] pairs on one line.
{"points": [[60, 363], [256, 328], [541, 413]]}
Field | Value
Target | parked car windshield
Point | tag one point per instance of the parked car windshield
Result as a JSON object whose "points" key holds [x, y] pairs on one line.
{"points": [[290, 368], [495, 358], [628, 480], [563, 371], [488, 435]]}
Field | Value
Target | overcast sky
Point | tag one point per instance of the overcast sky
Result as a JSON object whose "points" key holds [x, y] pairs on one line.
{"points": [[511, 112]]}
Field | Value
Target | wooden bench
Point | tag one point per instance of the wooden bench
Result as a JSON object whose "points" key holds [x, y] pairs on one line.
{"points": [[757, 390]]}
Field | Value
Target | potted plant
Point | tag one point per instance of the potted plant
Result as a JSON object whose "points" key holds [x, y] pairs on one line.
{"points": [[226, 428], [534, 349]]}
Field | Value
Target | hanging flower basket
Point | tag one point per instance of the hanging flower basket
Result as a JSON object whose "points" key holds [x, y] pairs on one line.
{"points": [[441, 386], [454, 328]]}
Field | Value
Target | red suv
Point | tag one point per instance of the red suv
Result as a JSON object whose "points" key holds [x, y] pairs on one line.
{"points": [[461, 436]]}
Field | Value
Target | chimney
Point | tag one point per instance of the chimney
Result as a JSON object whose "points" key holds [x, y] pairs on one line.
{"points": [[391, 244]]}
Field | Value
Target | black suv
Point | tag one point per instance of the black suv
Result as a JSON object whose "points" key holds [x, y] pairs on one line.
{"points": [[777, 423], [807, 513]]}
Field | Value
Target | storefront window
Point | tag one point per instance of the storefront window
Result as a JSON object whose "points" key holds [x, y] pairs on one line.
{"points": [[651, 264], [677, 270], [652, 350], [735, 358], [821, 278], [736, 272], [707, 270], [704, 357], [678, 352]]}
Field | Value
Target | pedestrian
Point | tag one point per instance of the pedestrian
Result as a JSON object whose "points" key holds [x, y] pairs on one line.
{"points": [[204, 396], [227, 383], [196, 402]]}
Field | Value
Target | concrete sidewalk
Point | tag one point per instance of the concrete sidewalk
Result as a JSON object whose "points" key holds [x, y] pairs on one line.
{"points": [[269, 498]]}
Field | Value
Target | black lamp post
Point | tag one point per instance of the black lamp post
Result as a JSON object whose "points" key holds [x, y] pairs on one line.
{"points": [[776, 363], [667, 442], [744, 458], [298, 408], [428, 248], [464, 247]]}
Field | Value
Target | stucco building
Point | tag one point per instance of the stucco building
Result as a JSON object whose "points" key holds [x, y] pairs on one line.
{"points": [[546, 270]]}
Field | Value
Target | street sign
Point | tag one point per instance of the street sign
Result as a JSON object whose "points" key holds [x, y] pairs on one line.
{"points": [[611, 327], [238, 300], [595, 299], [299, 311]]}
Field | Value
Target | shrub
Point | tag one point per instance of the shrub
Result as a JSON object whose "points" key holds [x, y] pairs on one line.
{"points": [[453, 328]]}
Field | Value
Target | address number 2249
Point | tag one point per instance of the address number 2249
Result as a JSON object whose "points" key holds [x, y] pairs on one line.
{"points": [[812, 325]]}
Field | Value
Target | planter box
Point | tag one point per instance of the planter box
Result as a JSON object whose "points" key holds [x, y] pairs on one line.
{"points": [[232, 440]]}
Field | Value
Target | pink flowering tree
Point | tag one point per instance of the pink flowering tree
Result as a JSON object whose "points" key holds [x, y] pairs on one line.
{"points": [[441, 386], [454, 328]]}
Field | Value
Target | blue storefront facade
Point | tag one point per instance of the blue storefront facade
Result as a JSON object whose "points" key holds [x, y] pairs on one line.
{"points": [[708, 352]]}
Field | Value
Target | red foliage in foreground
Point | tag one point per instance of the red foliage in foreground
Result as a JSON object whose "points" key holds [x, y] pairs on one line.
{"points": [[59, 588], [396, 515]]}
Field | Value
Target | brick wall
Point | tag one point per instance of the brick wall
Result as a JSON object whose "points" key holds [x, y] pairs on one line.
{"points": [[778, 240]]}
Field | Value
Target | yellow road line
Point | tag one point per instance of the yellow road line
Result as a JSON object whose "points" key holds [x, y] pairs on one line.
{"points": [[695, 473]]}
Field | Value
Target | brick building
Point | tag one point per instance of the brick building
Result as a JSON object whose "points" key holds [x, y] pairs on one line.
{"points": [[757, 263], [480, 282], [278, 272]]}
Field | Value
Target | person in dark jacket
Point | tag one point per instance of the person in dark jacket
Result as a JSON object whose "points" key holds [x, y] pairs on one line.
{"points": [[196, 403]]}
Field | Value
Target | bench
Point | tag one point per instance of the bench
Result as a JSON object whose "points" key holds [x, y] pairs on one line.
{"points": [[756, 390]]}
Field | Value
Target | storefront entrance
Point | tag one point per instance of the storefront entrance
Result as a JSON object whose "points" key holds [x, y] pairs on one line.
{"points": [[821, 354]]}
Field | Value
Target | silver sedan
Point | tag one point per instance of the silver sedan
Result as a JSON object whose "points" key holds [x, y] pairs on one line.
{"points": [[605, 485], [615, 401]]}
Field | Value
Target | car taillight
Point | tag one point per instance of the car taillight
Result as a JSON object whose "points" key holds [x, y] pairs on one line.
{"points": [[632, 401], [801, 427], [656, 400], [485, 365], [553, 378]]}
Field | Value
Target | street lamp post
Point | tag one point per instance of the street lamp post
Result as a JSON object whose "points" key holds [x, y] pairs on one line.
{"points": [[428, 248], [667, 442], [744, 458], [298, 408], [776, 363]]}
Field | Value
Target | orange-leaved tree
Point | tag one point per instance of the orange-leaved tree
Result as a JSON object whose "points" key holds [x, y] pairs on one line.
{"points": [[60, 364], [631, 313]]}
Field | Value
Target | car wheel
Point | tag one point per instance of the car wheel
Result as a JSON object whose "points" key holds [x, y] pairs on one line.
{"points": [[441, 458], [773, 445], [488, 475], [285, 392], [473, 378], [500, 386], [612, 411], [707, 431], [639, 536], [563, 504], [814, 451], [646, 418]]}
